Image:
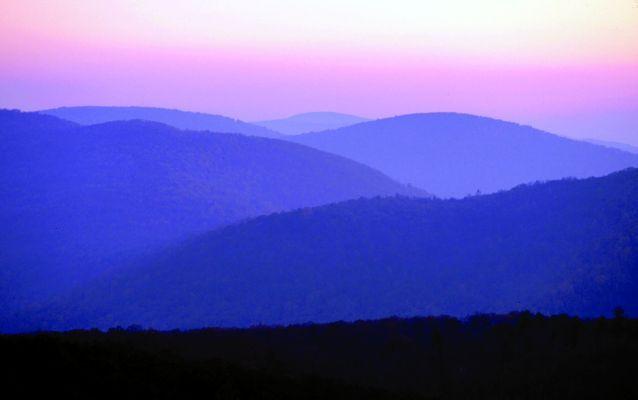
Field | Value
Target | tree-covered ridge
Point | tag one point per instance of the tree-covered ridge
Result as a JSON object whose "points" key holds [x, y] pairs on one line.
{"points": [[453, 155], [64, 368], [562, 246], [518, 355]]}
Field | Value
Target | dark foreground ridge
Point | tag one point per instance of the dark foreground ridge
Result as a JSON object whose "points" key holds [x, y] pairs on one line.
{"points": [[519, 355]]}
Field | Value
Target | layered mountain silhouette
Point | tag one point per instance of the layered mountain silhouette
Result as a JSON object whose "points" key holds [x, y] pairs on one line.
{"points": [[453, 155], [311, 122], [90, 115], [615, 145], [78, 198], [566, 246]]}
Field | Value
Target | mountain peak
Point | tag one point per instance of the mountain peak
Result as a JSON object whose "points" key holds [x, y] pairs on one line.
{"points": [[311, 122]]}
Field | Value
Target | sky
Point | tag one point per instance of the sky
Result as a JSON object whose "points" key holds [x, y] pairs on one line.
{"points": [[570, 67]]}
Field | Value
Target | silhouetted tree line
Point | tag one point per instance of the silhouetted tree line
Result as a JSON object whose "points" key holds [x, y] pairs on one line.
{"points": [[514, 356], [61, 367]]}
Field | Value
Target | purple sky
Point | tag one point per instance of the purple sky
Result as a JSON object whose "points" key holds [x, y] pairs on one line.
{"points": [[570, 67]]}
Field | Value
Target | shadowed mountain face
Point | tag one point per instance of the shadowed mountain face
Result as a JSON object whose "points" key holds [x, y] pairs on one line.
{"points": [[90, 115], [453, 155], [74, 197], [564, 246], [311, 122]]}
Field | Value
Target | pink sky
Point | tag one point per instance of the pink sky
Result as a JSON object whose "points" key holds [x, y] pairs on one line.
{"points": [[568, 67]]}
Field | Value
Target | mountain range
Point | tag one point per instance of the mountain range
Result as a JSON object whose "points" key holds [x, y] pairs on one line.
{"points": [[136, 221], [566, 246], [615, 145], [453, 155], [76, 199], [90, 115], [311, 122]]}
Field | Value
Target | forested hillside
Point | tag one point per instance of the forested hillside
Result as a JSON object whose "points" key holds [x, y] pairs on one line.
{"points": [[562, 246]]}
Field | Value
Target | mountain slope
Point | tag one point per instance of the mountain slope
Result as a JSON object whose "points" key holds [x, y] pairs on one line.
{"points": [[90, 115], [564, 246], [74, 196], [457, 154], [311, 122]]}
